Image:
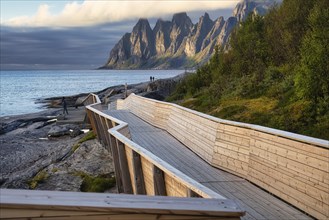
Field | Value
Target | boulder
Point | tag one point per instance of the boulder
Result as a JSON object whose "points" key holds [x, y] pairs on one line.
{"points": [[75, 132], [61, 130]]}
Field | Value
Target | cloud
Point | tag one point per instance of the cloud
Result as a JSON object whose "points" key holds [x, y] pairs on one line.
{"points": [[91, 12], [80, 47]]}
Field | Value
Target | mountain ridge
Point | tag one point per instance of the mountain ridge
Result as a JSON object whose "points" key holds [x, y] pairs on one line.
{"points": [[178, 43]]}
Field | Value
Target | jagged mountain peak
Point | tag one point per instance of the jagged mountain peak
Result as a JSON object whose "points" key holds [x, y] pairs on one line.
{"points": [[179, 42], [245, 7], [161, 24], [181, 19], [142, 24]]}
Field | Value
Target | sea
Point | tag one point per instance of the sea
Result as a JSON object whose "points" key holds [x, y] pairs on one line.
{"points": [[20, 90]]}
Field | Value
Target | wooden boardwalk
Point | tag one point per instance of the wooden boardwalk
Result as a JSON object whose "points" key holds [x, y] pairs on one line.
{"points": [[257, 203]]}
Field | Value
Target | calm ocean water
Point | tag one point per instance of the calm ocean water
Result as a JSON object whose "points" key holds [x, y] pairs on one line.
{"points": [[20, 89]]}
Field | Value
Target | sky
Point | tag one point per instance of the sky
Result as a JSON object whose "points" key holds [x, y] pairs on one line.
{"points": [[62, 34]]}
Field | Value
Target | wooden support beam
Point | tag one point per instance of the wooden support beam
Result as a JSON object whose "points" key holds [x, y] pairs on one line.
{"points": [[101, 128], [108, 125], [159, 182], [92, 121], [125, 175], [98, 130], [117, 169], [138, 174], [105, 133]]}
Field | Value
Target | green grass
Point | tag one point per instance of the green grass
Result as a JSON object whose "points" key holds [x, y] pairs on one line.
{"points": [[89, 136], [37, 179], [99, 183]]}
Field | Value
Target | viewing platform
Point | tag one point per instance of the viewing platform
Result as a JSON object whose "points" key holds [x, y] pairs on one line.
{"points": [[224, 169]]}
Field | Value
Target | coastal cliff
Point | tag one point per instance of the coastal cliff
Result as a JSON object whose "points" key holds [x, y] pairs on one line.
{"points": [[178, 43]]}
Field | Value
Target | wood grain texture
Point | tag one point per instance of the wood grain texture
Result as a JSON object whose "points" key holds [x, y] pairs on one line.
{"points": [[163, 145], [291, 166], [124, 169], [32, 204], [138, 174]]}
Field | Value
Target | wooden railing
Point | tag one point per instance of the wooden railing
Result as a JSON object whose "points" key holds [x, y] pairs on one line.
{"points": [[291, 166], [34, 204], [137, 170]]}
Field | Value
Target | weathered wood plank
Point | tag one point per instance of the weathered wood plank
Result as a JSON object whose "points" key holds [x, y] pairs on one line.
{"points": [[230, 147], [51, 204], [125, 175], [159, 182], [138, 174], [116, 161]]}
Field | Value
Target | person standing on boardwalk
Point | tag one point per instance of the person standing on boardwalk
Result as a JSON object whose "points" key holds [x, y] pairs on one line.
{"points": [[64, 106]]}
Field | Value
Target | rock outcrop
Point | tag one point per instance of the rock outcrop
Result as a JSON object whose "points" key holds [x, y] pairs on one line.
{"points": [[246, 7], [179, 43]]}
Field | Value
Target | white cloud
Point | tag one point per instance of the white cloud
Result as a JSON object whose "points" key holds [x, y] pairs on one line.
{"points": [[92, 12]]}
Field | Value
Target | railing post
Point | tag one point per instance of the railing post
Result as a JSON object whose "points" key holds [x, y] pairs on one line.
{"points": [[106, 140], [138, 174], [117, 169], [97, 128], [125, 175], [159, 182], [92, 122]]}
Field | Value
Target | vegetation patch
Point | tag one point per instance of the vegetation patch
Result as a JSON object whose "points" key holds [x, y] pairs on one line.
{"points": [[89, 136], [37, 179], [275, 73], [54, 170], [99, 183]]}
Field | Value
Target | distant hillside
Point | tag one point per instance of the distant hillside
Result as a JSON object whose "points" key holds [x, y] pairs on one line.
{"points": [[276, 72], [178, 43]]}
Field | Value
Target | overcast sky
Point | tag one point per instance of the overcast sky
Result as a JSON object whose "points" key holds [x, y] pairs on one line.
{"points": [[80, 34]]}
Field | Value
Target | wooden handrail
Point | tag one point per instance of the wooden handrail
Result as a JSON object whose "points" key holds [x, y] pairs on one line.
{"points": [[164, 166], [289, 135], [291, 166], [34, 204]]}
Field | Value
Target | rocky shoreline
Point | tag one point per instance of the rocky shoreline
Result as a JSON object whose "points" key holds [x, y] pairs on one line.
{"points": [[37, 153]]}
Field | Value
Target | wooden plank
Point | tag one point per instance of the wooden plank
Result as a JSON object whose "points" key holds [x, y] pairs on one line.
{"points": [[138, 174], [306, 170], [106, 141], [235, 151], [92, 120], [286, 192], [289, 179], [159, 182], [117, 169], [125, 175], [60, 204], [147, 168], [108, 126], [98, 129], [129, 156], [293, 153]]}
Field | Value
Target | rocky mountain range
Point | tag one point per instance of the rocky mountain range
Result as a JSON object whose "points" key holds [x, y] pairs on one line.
{"points": [[178, 43]]}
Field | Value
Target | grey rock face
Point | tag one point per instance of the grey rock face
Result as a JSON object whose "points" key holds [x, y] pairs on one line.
{"points": [[246, 7], [120, 52], [229, 25], [179, 43], [142, 40], [162, 36], [61, 130], [200, 31], [181, 27], [213, 33]]}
